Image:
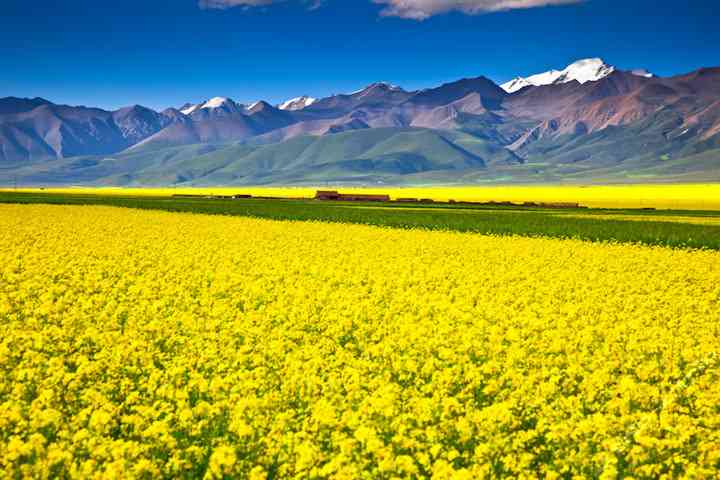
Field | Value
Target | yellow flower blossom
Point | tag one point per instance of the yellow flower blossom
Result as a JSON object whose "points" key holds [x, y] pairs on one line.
{"points": [[141, 344]]}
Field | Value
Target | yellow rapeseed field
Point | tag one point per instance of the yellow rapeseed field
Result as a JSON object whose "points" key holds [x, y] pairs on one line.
{"points": [[670, 196], [141, 344]]}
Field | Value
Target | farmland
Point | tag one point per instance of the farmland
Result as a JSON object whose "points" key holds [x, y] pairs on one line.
{"points": [[146, 335], [154, 344], [360, 240], [691, 227], [695, 196]]}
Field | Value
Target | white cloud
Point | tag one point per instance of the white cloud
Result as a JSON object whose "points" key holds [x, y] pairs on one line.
{"points": [[223, 4], [413, 9], [422, 9], [234, 3]]}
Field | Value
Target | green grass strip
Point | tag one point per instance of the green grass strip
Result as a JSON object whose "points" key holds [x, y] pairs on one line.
{"points": [[583, 224]]}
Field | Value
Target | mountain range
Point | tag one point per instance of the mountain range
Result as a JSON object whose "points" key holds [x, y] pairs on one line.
{"points": [[587, 122]]}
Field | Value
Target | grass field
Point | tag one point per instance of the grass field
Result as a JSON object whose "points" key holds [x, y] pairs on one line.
{"points": [[676, 228], [151, 344]]}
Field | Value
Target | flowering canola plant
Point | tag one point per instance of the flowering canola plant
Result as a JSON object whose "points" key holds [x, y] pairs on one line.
{"points": [[662, 196], [143, 344]]}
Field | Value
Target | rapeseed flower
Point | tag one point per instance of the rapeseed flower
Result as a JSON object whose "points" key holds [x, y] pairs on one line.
{"points": [[140, 344]]}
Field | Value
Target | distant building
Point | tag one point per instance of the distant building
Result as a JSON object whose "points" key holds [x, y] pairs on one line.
{"points": [[327, 195], [349, 197]]}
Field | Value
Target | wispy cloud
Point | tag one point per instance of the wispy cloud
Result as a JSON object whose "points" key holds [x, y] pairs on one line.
{"points": [[223, 4], [422, 9], [412, 9]]}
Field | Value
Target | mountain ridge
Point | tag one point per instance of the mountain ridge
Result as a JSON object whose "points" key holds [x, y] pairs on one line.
{"points": [[677, 117]]}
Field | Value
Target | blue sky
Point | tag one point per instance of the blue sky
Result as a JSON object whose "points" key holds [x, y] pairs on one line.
{"points": [[163, 53]]}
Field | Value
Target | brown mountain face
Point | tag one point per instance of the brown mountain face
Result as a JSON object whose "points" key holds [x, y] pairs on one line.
{"points": [[11, 105], [21, 144], [60, 131], [622, 114], [36, 130], [617, 100], [705, 119], [266, 118], [551, 101], [446, 116], [225, 123], [209, 130], [137, 123], [377, 95], [491, 96]]}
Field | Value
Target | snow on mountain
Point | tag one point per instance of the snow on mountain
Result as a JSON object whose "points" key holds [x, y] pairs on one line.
{"points": [[641, 72], [583, 71], [515, 84], [297, 103], [189, 109], [545, 78], [586, 70], [215, 102]]}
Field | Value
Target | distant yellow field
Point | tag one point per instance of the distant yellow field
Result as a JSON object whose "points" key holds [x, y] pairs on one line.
{"points": [[678, 196]]}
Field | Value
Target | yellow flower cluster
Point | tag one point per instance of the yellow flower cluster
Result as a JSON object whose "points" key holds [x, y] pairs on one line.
{"points": [[662, 196], [139, 344]]}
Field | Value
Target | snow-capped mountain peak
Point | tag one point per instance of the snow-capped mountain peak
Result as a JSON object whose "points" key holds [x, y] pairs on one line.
{"points": [[545, 78], [582, 71], [297, 103], [585, 70], [515, 84], [215, 102]]}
